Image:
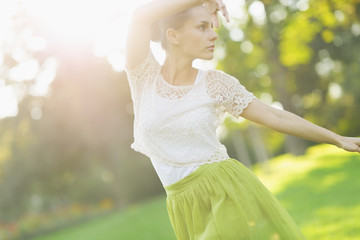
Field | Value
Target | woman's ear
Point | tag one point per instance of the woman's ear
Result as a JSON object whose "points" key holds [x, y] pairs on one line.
{"points": [[172, 36]]}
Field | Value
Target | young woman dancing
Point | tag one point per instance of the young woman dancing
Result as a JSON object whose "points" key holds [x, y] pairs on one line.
{"points": [[177, 110]]}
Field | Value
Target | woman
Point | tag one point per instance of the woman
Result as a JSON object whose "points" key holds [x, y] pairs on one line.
{"points": [[177, 110]]}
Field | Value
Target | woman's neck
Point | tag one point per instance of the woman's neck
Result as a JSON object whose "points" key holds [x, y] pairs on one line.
{"points": [[178, 71]]}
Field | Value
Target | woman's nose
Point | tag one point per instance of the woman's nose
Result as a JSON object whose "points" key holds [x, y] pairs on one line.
{"points": [[213, 35]]}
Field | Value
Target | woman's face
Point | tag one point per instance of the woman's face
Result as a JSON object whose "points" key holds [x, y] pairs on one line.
{"points": [[197, 37]]}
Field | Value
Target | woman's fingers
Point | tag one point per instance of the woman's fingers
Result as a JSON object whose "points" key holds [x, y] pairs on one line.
{"points": [[223, 10], [213, 6], [215, 20], [351, 144], [356, 142]]}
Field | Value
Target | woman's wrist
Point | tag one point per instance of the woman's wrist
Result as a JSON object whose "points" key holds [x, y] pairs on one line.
{"points": [[338, 141]]}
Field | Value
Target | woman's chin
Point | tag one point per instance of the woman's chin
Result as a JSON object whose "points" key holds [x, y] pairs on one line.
{"points": [[208, 56]]}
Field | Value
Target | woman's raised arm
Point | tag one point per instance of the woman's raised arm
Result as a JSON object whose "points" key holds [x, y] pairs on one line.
{"points": [[139, 34]]}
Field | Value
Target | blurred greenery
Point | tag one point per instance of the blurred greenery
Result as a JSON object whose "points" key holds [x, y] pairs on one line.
{"points": [[301, 54], [66, 154], [318, 189]]}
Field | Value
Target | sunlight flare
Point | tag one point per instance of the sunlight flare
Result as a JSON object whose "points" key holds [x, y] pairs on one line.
{"points": [[75, 21]]}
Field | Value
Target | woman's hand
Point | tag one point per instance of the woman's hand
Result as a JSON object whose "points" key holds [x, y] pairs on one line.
{"points": [[213, 6], [350, 144]]}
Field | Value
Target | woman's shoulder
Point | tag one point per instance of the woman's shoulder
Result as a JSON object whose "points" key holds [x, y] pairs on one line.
{"points": [[215, 75], [220, 80], [148, 65], [148, 62]]}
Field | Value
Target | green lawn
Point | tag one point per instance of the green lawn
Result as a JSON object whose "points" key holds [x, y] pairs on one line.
{"points": [[148, 221], [321, 190]]}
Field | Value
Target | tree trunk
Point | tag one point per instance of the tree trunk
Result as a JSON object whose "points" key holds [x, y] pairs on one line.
{"points": [[240, 148]]}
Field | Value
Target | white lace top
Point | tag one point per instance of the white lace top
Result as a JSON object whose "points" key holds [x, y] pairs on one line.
{"points": [[175, 126]]}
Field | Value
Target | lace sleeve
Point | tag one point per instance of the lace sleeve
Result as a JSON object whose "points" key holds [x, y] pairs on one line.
{"points": [[144, 72], [229, 94]]}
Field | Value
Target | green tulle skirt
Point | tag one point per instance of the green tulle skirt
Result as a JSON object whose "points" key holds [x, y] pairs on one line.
{"points": [[226, 201]]}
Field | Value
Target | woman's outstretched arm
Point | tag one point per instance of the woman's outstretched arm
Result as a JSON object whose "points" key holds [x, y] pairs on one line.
{"points": [[289, 123]]}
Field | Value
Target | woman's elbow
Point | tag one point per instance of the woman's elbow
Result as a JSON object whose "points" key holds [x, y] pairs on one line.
{"points": [[264, 115]]}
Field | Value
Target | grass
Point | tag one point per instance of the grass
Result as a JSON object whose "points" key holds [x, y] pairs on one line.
{"points": [[148, 221], [320, 190]]}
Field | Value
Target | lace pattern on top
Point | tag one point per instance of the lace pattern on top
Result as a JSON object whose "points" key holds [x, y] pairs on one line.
{"points": [[182, 133], [145, 69], [142, 75], [167, 91], [229, 94]]}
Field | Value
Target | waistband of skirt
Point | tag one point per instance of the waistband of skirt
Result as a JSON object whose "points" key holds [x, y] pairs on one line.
{"points": [[194, 177]]}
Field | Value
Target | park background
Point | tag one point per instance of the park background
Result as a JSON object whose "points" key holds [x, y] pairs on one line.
{"points": [[66, 111]]}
